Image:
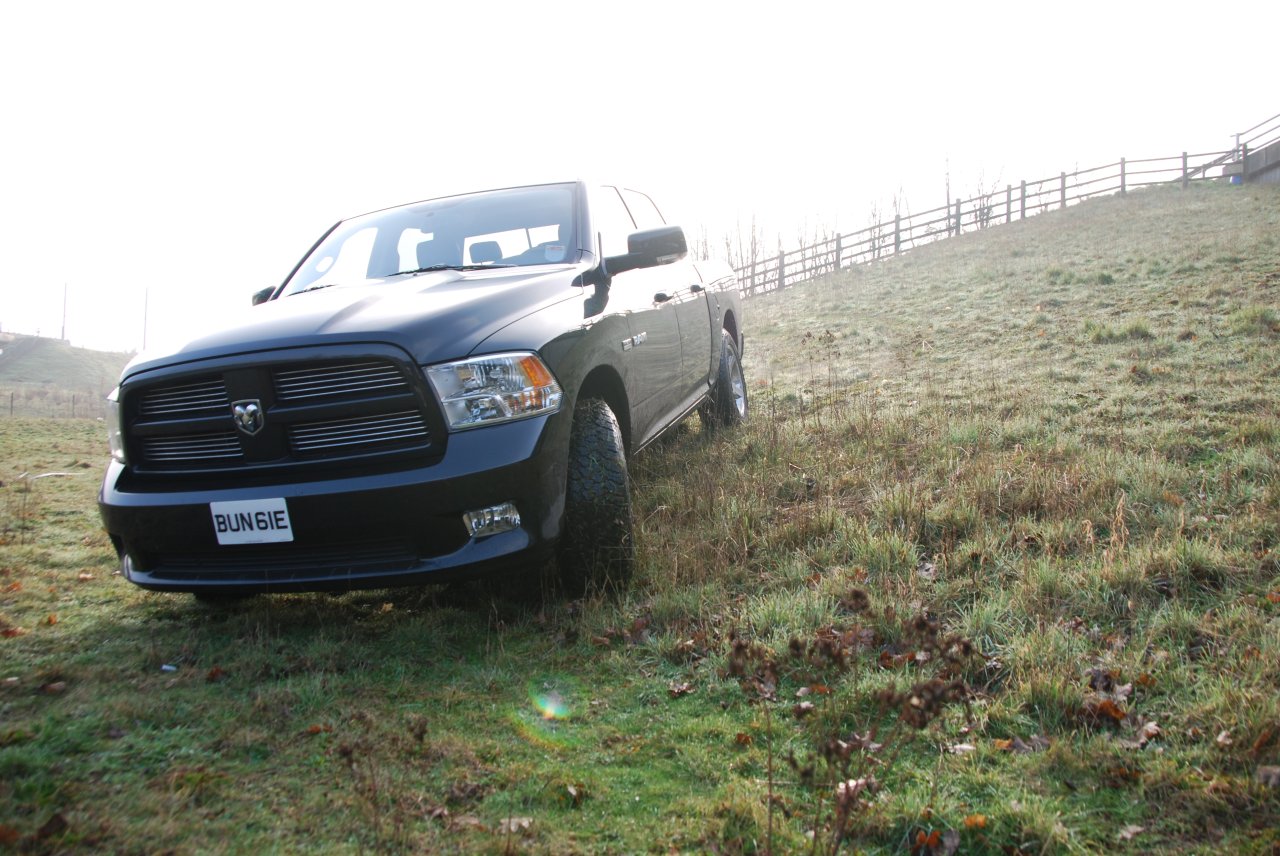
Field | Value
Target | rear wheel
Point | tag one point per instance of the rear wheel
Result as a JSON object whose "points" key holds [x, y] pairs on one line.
{"points": [[727, 405], [597, 548]]}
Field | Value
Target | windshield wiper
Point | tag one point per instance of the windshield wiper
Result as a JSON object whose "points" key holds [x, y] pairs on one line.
{"points": [[314, 288], [430, 268]]}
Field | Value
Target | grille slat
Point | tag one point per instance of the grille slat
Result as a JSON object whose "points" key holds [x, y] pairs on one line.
{"points": [[347, 379], [186, 399], [361, 431], [200, 447]]}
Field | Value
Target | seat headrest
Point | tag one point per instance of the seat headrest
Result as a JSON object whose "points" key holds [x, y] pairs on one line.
{"points": [[483, 252]]}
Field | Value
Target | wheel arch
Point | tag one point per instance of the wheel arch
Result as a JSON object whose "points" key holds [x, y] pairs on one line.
{"points": [[604, 382]]}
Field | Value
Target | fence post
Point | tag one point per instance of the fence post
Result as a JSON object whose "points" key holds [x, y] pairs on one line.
{"points": [[897, 233], [782, 269], [1123, 177], [1023, 213], [753, 274], [1184, 171], [839, 250], [1062, 186], [1008, 202], [957, 217], [1244, 162]]}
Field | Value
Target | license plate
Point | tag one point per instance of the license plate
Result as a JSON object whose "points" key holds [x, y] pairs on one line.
{"points": [[251, 521]]}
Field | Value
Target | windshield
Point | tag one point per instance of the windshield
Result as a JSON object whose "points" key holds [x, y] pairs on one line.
{"points": [[500, 228]]}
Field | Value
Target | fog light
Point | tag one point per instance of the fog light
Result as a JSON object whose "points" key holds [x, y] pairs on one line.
{"points": [[492, 520]]}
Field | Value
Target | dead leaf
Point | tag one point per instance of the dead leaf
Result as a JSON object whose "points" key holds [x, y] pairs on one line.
{"points": [[54, 688], [1264, 739], [961, 748], [50, 619], [12, 632], [54, 827], [216, 674], [436, 812], [1273, 596], [467, 821], [742, 738], [514, 825], [1224, 739], [601, 641], [1131, 831], [1036, 743], [84, 576], [975, 821], [896, 661], [1104, 709], [676, 690], [638, 632], [803, 709], [16, 585], [9, 836], [1269, 776], [319, 729]]}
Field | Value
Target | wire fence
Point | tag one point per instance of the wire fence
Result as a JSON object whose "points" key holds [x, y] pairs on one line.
{"points": [[45, 401], [1249, 158]]}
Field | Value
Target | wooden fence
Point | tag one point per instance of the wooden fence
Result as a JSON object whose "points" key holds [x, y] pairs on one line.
{"points": [[1027, 198]]}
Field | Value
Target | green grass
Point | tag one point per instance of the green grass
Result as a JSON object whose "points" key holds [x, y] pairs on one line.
{"points": [[940, 434]]}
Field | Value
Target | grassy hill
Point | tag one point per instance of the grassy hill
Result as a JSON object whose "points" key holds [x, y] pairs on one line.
{"points": [[992, 569], [45, 375]]}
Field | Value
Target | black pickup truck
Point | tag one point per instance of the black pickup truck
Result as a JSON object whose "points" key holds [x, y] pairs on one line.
{"points": [[438, 389]]}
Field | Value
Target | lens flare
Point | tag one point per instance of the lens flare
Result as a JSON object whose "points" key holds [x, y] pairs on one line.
{"points": [[547, 720], [552, 705]]}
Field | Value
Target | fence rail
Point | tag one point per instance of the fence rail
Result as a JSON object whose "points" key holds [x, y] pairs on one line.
{"points": [[1016, 202]]}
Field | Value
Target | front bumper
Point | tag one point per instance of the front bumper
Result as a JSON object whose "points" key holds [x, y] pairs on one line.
{"points": [[358, 530]]}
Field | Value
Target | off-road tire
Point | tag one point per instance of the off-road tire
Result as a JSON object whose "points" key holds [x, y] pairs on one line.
{"points": [[727, 405], [597, 549]]}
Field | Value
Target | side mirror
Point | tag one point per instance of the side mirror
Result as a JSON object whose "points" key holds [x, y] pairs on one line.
{"points": [[650, 248], [264, 295]]}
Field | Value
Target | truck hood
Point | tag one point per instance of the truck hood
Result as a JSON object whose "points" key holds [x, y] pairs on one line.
{"points": [[434, 316]]}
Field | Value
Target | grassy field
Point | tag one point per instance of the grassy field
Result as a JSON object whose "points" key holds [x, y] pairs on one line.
{"points": [[992, 569]]}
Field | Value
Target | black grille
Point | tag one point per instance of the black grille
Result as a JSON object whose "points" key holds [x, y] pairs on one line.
{"points": [[313, 413]]}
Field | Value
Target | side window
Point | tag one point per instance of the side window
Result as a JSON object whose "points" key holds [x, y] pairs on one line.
{"points": [[612, 221], [643, 211]]}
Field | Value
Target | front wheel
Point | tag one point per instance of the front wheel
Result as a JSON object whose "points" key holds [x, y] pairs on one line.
{"points": [[727, 404], [597, 548]]}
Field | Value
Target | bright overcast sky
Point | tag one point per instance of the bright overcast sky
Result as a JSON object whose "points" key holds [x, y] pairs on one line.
{"points": [[188, 155]]}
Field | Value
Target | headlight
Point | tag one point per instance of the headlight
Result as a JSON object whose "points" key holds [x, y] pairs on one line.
{"points": [[115, 428], [492, 389]]}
